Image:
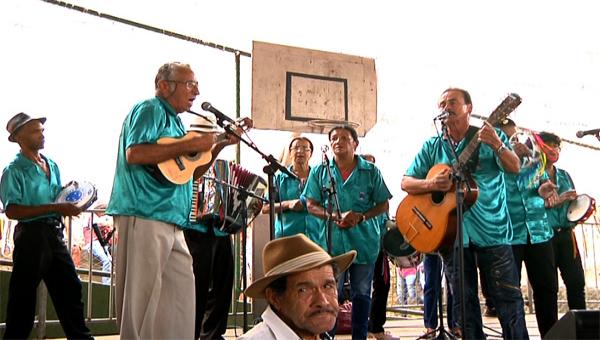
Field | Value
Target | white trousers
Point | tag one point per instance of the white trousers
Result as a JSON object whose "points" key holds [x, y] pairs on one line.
{"points": [[155, 296]]}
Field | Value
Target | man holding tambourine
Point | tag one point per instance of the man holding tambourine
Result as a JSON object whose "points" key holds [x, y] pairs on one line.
{"points": [[28, 190], [566, 253]]}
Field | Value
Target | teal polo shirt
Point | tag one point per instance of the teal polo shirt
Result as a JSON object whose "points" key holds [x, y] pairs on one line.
{"points": [[364, 189], [25, 183], [290, 223], [526, 208], [486, 223], [136, 192], [557, 216]]}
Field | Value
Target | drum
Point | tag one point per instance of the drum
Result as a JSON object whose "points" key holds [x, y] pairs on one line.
{"points": [[225, 194], [82, 194], [526, 138], [399, 251], [581, 208]]}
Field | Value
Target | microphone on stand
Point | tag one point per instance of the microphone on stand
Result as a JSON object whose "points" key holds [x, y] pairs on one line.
{"points": [[442, 116], [580, 134], [324, 150], [221, 117]]}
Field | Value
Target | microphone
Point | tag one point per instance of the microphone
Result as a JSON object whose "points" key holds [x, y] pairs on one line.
{"points": [[442, 116], [221, 117], [580, 134]]}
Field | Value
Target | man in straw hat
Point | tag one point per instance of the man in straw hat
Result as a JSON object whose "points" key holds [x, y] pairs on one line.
{"points": [[300, 287], [28, 189]]}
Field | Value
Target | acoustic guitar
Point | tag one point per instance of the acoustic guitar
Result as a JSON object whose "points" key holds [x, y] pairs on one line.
{"points": [[180, 170], [428, 221]]}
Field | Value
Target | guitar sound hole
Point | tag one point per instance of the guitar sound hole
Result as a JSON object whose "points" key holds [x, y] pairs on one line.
{"points": [[437, 196]]}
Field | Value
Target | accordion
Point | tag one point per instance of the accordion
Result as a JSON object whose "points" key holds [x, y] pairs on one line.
{"points": [[227, 197]]}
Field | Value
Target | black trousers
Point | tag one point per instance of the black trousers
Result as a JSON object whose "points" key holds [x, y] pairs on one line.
{"points": [[541, 272], [568, 260], [213, 274], [40, 254], [379, 297]]}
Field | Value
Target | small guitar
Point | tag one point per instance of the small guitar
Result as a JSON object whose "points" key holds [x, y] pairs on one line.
{"points": [[180, 170], [428, 221]]}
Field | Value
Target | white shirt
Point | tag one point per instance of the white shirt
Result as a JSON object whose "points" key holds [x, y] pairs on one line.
{"points": [[271, 328]]}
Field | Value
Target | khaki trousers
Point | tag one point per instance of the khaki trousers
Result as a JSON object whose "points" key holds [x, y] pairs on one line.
{"points": [[154, 280]]}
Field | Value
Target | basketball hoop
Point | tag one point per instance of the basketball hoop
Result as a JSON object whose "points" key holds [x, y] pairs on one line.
{"points": [[324, 125]]}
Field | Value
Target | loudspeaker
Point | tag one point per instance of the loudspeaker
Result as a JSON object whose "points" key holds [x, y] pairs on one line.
{"points": [[576, 324]]}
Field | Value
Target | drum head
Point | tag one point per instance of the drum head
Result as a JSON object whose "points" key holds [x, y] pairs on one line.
{"points": [[579, 208], [81, 194], [395, 245]]}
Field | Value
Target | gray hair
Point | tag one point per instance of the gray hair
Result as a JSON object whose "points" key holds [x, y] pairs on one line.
{"points": [[166, 71]]}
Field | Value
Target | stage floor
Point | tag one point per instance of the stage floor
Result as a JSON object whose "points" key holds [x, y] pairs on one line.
{"points": [[407, 328]]}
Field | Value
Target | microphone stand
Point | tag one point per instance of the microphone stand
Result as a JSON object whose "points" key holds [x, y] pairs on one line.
{"points": [[459, 178], [331, 198], [272, 166]]}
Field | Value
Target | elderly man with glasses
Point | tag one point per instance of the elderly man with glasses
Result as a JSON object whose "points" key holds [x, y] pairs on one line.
{"points": [[154, 277]]}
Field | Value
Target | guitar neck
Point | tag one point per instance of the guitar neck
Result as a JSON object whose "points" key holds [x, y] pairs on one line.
{"points": [[508, 105]]}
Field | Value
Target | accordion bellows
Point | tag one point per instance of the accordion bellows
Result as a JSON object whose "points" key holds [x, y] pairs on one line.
{"points": [[227, 197]]}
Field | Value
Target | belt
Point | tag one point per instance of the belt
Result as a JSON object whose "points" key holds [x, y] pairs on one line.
{"points": [[49, 221]]}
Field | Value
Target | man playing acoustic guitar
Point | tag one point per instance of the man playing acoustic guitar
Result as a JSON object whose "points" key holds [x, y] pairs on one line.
{"points": [[486, 225], [154, 277]]}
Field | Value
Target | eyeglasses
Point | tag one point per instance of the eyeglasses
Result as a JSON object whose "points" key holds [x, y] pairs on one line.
{"points": [[189, 84], [300, 148], [555, 147]]}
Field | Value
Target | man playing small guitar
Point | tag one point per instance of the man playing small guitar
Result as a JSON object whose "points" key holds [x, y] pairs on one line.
{"points": [[154, 280], [486, 223]]}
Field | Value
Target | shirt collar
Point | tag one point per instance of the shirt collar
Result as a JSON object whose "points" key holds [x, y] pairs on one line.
{"points": [[25, 162], [277, 326], [361, 163], [291, 169], [170, 110]]}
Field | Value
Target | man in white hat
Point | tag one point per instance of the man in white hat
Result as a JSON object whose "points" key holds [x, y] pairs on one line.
{"points": [[28, 189], [300, 287]]}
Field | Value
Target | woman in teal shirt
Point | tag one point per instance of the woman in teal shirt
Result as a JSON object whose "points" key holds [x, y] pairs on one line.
{"points": [[290, 205]]}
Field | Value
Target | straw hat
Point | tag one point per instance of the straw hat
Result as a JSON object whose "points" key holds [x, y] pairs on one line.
{"points": [[17, 122], [293, 254], [201, 123]]}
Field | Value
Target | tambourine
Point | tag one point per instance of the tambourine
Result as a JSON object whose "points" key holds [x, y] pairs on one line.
{"points": [[581, 208], [81, 194]]}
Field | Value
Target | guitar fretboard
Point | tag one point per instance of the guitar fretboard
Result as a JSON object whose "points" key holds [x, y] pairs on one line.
{"points": [[508, 105]]}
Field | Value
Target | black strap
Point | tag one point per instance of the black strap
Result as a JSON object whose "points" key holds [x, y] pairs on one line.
{"points": [[471, 163]]}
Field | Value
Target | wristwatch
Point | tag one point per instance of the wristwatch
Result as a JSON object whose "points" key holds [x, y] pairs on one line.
{"points": [[501, 149]]}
